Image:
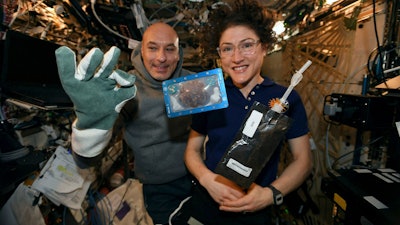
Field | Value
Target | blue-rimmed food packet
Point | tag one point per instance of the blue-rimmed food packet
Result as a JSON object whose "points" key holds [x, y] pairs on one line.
{"points": [[201, 92]]}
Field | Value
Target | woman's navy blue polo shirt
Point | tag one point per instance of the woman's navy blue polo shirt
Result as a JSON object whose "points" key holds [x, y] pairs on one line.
{"points": [[222, 125]]}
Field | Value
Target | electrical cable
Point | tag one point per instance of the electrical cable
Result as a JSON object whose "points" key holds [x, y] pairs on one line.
{"points": [[161, 8], [97, 216], [92, 4], [327, 147], [171, 216], [101, 208], [109, 209], [352, 75], [64, 215], [317, 163], [2, 112], [16, 15], [359, 148], [379, 54], [85, 221], [374, 60], [369, 65], [142, 21]]}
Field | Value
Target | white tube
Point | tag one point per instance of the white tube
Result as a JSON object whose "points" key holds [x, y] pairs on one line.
{"points": [[296, 78]]}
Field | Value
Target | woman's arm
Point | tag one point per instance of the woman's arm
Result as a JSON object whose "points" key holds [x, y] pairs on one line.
{"points": [[299, 169], [220, 188]]}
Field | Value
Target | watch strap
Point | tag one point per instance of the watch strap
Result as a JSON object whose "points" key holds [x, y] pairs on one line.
{"points": [[277, 195]]}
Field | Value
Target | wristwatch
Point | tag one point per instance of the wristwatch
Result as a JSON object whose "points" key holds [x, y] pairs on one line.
{"points": [[277, 195]]}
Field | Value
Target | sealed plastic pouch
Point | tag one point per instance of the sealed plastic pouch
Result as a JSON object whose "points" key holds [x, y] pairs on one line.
{"points": [[195, 93], [256, 141]]}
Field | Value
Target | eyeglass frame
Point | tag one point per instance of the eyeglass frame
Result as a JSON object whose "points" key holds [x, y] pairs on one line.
{"points": [[256, 43]]}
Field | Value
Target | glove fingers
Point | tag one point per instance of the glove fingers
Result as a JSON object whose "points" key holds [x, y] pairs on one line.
{"points": [[124, 94], [122, 78], [66, 63], [89, 64], [109, 61]]}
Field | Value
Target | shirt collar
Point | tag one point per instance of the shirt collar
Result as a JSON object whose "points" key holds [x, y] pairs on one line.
{"points": [[266, 82]]}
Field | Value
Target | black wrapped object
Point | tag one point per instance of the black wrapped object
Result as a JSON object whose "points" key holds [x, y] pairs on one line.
{"points": [[259, 136]]}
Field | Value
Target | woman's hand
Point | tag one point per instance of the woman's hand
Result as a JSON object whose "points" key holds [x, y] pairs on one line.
{"points": [[255, 199], [221, 189]]}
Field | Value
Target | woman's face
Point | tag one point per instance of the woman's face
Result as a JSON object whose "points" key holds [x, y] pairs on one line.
{"points": [[242, 55]]}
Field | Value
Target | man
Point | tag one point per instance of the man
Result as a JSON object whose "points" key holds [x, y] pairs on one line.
{"points": [[158, 142]]}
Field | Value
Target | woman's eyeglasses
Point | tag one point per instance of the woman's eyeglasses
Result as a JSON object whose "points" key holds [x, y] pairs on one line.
{"points": [[246, 47]]}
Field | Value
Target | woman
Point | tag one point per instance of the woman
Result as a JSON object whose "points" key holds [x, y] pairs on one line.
{"points": [[241, 33]]}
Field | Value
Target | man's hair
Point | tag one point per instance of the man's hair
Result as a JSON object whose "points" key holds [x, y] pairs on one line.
{"points": [[248, 13]]}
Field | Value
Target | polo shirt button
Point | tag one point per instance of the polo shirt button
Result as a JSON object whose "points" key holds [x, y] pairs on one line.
{"points": [[252, 93], [249, 98], [246, 107]]}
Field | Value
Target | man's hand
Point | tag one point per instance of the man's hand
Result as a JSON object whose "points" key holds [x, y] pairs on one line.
{"points": [[97, 89]]}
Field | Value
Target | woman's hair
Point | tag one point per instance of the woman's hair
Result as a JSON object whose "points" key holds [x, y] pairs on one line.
{"points": [[248, 13]]}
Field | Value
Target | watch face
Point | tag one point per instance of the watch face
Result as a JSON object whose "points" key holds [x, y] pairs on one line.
{"points": [[278, 199]]}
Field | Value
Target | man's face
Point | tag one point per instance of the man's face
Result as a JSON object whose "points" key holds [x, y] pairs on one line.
{"points": [[160, 51]]}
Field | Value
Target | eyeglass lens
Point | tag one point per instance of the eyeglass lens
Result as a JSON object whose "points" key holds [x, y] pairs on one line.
{"points": [[246, 47]]}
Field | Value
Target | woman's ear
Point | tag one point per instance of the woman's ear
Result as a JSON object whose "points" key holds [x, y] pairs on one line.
{"points": [[265, 49]]}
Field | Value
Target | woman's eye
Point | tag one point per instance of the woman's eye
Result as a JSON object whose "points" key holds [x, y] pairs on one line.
{"points": [[247, 45], [227, 49]]}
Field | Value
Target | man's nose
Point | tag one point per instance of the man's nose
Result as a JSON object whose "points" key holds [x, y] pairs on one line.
{"points": [[161, 55]]}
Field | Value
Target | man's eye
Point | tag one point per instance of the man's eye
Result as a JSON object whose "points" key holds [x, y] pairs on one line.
{"points": [[152, 49], [171, 49]]}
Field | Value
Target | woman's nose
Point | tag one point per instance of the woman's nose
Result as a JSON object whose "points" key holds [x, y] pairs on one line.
{"points": [[237, 55]]}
